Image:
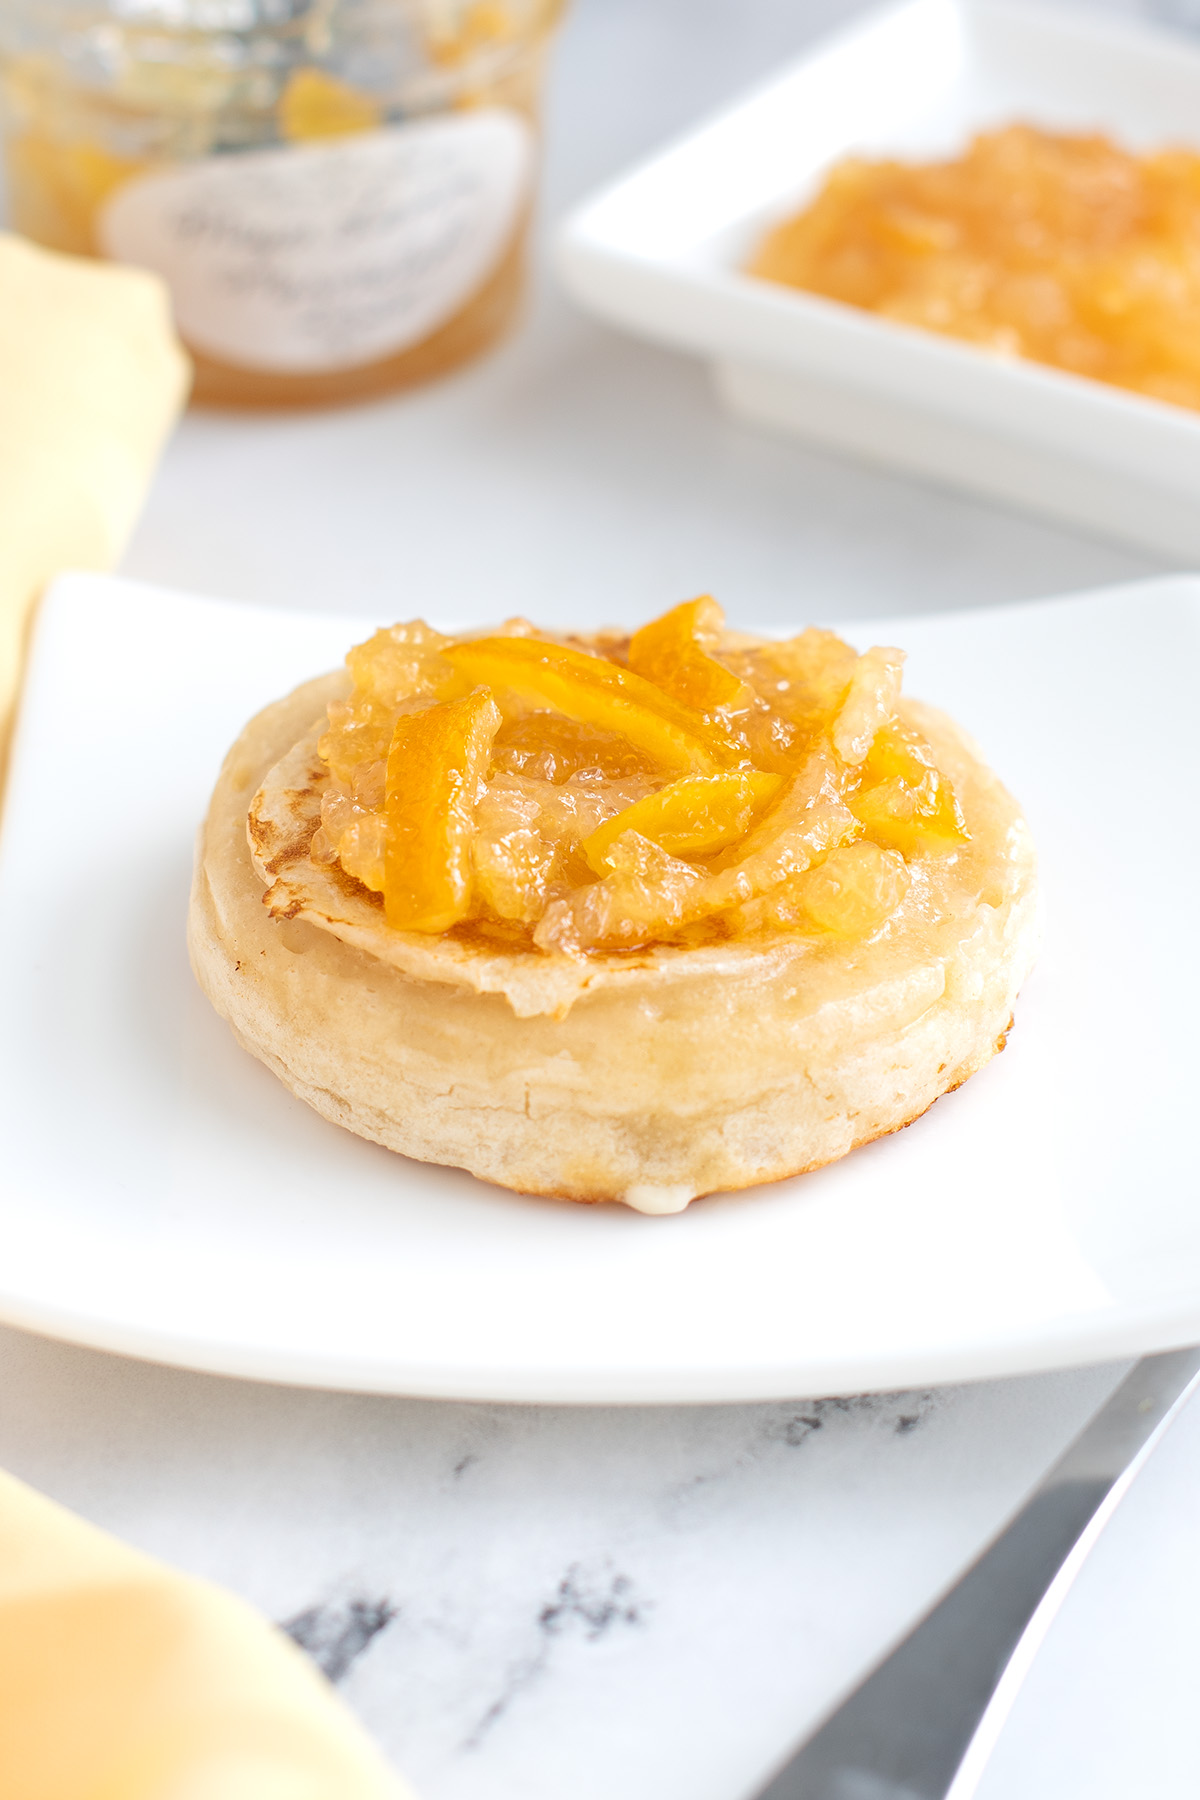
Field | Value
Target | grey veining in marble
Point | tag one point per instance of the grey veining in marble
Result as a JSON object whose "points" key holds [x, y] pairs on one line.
{"points": [[524, 1603]]}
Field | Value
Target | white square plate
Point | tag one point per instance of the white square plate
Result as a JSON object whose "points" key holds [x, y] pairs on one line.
{"points": [[163, 1194], [660, 253]]}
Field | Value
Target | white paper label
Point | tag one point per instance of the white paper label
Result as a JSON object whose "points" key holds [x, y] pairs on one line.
{"points": [[315, 257]]}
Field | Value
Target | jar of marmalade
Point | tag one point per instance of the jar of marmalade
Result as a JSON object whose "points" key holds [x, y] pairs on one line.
{"points": [[337, 192]]}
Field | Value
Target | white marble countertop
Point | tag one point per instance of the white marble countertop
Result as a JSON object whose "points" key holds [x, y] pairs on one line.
{"points": [[538, 1603], [535, 1603]]}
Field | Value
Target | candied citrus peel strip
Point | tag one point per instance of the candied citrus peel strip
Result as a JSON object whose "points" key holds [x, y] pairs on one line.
{"points": [[810, 818], [870, 702], [898, 750], [435, 768], [907, 803], [594, 691], [672, 652], [692, 817], [646, 892], [495, 779]]}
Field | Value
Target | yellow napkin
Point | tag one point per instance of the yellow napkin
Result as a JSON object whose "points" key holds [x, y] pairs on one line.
{"points": [[91, 379], [122, 1680]]}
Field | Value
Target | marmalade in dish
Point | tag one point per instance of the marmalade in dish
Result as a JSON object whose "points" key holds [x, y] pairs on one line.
{"points": [[576, 796], [1062, 248]]}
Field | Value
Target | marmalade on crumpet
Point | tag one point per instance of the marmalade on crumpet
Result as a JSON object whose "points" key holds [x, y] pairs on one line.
{"points": [[682, 786], [1062, 248]]}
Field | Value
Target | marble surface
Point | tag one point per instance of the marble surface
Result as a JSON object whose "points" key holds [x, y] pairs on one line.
{"points": [[531, 1603], [544, 1602]]}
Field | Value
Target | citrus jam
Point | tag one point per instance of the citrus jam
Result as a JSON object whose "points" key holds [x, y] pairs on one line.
{"points": [[1064, 249], [684, 785], [338, 198]]}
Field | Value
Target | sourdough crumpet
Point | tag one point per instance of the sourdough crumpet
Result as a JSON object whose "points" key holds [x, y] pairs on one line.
{"points": [[620, 918]]}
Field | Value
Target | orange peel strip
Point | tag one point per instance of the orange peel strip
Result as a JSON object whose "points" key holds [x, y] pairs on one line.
{"points": [[670, 652], [693, 816], [594, 691], [908, 804], [436, 765]]}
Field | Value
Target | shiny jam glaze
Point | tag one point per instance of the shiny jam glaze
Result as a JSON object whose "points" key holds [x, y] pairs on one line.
{"points": [[685, 785]]}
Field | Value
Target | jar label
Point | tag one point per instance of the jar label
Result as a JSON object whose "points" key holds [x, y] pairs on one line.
{"points": [[316, 257]]}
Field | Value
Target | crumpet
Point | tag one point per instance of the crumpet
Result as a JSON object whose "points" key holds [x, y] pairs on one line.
{"points": [[622, 918]]}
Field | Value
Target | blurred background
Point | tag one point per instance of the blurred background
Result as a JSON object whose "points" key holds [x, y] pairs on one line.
{"points": [[577, 470]]}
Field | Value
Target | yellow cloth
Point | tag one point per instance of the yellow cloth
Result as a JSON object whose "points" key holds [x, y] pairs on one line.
{"points": [[91, 380], [122, 1680]]}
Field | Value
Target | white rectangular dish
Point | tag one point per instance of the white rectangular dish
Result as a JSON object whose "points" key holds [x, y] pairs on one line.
{"points": [[660, 253], [163, 1194]]}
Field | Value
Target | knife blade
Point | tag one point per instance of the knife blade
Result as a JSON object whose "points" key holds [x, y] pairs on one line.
{"points": [[904, 1731]]}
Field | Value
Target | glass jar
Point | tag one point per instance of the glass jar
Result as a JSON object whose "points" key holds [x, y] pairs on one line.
{"points": [[337, 192]]}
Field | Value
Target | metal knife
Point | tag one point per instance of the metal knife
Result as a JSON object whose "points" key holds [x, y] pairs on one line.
{"points": [[904, 1732]]}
